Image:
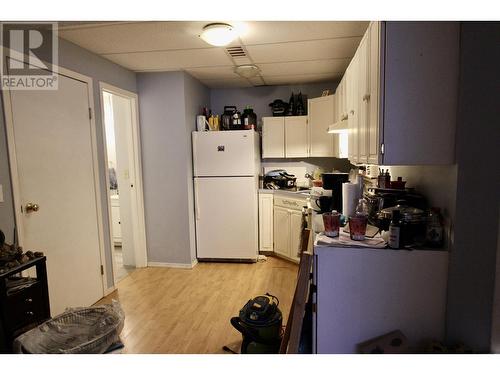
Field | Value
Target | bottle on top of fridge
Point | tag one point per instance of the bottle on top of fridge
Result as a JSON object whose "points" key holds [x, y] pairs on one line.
{"points": [[249, 118]]}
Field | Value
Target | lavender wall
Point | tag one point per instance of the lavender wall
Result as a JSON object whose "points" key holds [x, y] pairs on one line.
{"points": [[168, 104]]}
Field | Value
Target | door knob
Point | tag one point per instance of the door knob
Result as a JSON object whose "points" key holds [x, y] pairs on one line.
{"points": [[31, 207]]}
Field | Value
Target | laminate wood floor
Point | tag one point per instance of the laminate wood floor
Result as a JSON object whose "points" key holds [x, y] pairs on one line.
{"points": [[170, 310]]}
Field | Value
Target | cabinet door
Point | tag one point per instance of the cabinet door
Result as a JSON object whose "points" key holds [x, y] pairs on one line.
{"points": [[362, 99], [273, 137], [352, 108], [373, 87], [338, 102], [281, 231], [266, 222], [295, 232], [421, 70], [296, 140], [321, 115]]}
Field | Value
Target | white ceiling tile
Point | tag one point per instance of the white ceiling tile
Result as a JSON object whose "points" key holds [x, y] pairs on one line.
{"points": [[305, 67], [217, 72], [171, 60], [259, 32], [257, 81], [226, 83], [286, 52], [136, 36], [305, 78], [298, 51]]}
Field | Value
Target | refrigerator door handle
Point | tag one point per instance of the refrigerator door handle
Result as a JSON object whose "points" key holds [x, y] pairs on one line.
{"points": [[196, 207]]}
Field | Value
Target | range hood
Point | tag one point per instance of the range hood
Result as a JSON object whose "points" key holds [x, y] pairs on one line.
{"points": [[338, 127]]}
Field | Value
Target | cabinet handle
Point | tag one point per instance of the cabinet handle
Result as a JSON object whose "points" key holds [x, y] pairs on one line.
{"points": [[28, 300], [366, 97]]}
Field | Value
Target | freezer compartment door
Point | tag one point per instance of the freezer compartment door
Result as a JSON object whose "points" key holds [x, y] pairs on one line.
{"points": [[226, 218], [226, 153]]}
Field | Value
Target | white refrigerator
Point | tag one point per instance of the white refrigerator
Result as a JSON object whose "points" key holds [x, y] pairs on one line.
{"points": [[226, 176]]}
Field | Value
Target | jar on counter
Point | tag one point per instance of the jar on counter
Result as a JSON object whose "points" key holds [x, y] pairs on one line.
{"points": [[435, 230]]}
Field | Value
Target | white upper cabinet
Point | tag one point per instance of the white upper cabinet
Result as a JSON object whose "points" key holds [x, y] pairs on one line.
{"points": [[352, 108], [285, 137], [296, 144], [321, 112], [373, 86], [273, 137], [402, 88], [420, 92], [363, 99]]}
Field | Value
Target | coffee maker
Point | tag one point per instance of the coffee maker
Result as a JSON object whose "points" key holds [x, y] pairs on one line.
{"points": [[333, 182]]}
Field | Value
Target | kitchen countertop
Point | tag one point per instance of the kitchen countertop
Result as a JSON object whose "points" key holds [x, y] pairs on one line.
{"points": [[297, 194]]}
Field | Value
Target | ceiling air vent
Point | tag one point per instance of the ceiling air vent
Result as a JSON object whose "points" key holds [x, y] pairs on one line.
{"points": [[236, 51]]}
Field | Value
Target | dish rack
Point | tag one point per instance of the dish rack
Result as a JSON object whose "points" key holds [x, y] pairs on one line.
{"points": [[90, 330]]}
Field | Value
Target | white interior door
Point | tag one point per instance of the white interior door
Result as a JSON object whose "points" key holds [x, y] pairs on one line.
{"points": [[122, 122], [54, 158], [226, 217]]}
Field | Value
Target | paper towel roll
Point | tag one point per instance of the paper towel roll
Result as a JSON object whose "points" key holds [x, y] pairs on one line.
{"points": [[350, 196]]}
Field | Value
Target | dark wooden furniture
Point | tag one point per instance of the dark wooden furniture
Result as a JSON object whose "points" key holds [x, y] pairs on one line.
{"points": [[291, 337], [22, 309]]}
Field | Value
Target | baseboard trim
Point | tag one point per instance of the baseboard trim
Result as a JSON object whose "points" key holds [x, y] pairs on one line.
{"points": [[172, 265], [110, 290]]}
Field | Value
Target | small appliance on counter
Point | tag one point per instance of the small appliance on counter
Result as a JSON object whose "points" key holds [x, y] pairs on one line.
{"points": [[333, 182], [320, 199], [279, 179]]}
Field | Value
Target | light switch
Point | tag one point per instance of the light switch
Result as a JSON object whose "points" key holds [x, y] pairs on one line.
{"points": [[1, 193]]}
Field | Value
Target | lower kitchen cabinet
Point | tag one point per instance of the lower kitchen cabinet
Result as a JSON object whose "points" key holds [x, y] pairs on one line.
{"points": [[287, 227], [281, 231], [364, 293], [266, 222]]}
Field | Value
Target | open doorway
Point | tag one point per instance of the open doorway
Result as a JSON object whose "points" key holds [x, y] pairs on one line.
{"points": [[124, 180]]}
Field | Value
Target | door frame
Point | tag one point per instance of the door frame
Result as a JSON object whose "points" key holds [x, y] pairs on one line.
{"points": [[140, 246], [14, 175]]}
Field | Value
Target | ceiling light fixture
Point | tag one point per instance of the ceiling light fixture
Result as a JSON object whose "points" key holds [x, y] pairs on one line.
{"points": [[218, 34], [247, 71]]}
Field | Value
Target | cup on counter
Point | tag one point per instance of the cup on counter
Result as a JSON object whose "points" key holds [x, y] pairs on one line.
{"points": [[331, 222], [357, 227]]}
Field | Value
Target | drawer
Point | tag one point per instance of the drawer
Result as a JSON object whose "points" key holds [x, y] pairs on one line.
{"points": [[24, 307]]}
